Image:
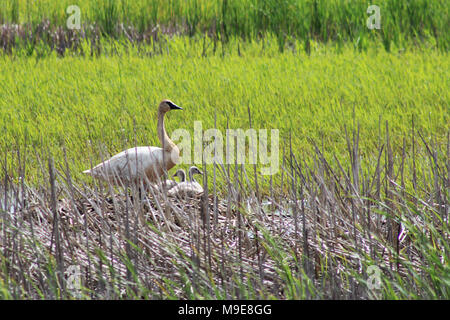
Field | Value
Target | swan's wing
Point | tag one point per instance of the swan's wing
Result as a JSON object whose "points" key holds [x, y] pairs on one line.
{"points": [[131, 163], [197, 187]]}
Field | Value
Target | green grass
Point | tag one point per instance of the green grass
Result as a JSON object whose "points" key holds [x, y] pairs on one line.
{"points": [[90, 105]]}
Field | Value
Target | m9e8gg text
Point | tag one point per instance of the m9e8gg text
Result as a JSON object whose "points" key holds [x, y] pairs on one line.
{"points": [[246, 309]]}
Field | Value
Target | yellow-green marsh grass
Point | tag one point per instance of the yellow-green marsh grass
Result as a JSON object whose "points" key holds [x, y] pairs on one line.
{"points": [[317, 236], [105, 104]]}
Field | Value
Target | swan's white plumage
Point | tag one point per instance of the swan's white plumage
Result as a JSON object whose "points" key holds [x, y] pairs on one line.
{"points": [[131, 164], [186, 188]]}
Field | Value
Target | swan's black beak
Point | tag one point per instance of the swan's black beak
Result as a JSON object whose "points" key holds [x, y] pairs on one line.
{"points": [[173, 106]]}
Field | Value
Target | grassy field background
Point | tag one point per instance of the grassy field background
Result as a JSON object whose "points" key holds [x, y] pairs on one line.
{"points": [[68, 102]]}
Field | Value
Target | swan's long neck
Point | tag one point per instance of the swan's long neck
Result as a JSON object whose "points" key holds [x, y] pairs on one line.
{"points": [[166, 143], [191, 176]]}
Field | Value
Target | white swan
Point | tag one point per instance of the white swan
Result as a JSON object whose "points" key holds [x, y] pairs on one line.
{"points": [[134, 164], [188, 188]]}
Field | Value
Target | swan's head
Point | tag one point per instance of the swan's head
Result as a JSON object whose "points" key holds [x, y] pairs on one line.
{"points": [[194, 170], [167, 105], [180, 174]]}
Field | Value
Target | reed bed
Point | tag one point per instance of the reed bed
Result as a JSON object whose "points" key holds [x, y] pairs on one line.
{"points": [[314, 236]]}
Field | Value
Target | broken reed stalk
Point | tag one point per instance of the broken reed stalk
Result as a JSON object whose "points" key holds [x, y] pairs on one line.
{"points": [[56, 236]]}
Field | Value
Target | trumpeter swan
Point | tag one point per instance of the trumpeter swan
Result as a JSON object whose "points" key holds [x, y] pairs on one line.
{"points": [[188, 188], [172, 183], [136, 164]]}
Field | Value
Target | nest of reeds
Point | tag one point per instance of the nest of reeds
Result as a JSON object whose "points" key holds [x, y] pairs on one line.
{"points": [[313, 236]]}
